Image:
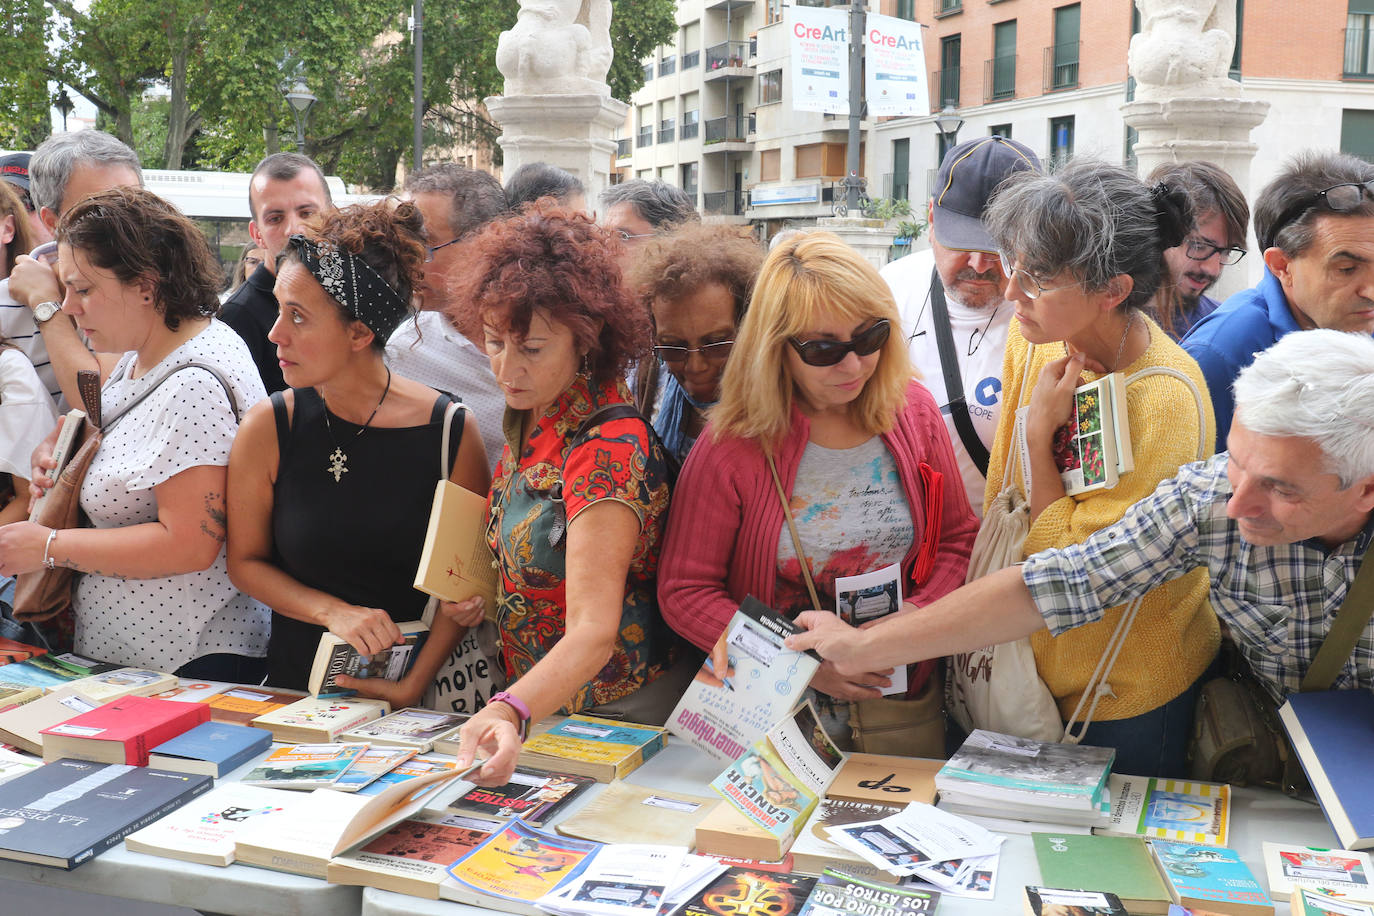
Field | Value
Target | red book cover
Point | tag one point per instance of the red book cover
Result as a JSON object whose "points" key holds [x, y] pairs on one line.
{"points": [[136, 724], [12, 651]]}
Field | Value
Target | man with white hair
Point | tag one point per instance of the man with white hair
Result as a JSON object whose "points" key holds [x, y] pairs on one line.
{"points": [[1281, 522]]}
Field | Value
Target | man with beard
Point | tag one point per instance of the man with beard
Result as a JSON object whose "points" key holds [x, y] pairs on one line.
{"points": [[950, 298], [1315, 224], [1217, 241]]}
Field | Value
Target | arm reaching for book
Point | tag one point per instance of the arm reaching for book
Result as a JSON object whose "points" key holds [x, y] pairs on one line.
{"points": [[995, 609]]}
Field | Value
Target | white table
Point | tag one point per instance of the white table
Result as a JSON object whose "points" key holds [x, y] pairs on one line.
{"points": [[1256, 816]]}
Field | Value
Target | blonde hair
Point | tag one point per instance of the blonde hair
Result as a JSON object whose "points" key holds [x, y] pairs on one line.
{"points": [[805, 282]]}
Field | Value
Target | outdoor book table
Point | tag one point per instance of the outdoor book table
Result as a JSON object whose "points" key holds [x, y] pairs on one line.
{"points": [[1256, 815]]}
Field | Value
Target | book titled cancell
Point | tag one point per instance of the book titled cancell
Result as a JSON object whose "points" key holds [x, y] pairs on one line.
{"points": [[123, 730]]}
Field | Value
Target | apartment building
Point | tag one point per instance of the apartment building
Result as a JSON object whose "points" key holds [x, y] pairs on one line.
{"points": [[714, 115]]}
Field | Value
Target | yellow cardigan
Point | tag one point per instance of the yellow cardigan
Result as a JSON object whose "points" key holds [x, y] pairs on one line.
{"points": [[1175, 634]]}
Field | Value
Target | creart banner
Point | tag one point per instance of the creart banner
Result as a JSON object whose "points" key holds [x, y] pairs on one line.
{"points": [[820, 58], [896, 80]]}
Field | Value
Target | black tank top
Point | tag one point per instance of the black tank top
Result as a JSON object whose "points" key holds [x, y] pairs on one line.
{"points": [[360, 538]]}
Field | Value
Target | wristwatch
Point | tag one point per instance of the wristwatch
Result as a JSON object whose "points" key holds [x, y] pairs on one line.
{"points": [[45, 310], [520, 708]]}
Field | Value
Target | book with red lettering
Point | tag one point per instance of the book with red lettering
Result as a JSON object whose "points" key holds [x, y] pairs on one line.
{"points": [[122, 731], [532, 795]]}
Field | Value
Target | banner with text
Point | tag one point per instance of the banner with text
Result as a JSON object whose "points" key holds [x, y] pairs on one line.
{"points": [[820, 58], [896, 80]]}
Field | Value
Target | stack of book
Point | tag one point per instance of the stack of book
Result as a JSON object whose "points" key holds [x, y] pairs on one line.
{"points": [[994, 775]]}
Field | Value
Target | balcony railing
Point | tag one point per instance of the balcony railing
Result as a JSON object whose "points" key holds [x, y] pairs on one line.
{"points": [[624, 147], [897, 185], [667, 66], [645, 138], [726, 54], [691, 59], [691, 129], [946, 86], [1359, 54], [1061, 66], [948, 7], [648, 72], [999, 78], [727, 130], [723, 203], [667, 134]]}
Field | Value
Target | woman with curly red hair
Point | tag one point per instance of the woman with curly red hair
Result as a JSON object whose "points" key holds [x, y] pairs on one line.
{"points": [[578, 502], [330, 482]]}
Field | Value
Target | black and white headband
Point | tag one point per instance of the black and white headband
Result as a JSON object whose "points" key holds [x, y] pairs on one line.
{"points": [[354, 284]]}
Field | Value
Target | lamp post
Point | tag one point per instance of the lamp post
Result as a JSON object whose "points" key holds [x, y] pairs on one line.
{"points": [[301, 99], [948, 122], [63, 103]]}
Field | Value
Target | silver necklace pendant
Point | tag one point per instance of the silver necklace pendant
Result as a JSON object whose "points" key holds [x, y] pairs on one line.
{"points": [[338, 462]]}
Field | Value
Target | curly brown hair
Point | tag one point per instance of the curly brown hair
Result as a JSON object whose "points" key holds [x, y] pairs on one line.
{"points": [[678, 264], [388, 235], [137, 235], [22, 243], [553, 258]]}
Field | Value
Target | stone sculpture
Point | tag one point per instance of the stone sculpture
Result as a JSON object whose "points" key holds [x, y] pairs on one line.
{"points": [[557, 47], [1184, 49]]}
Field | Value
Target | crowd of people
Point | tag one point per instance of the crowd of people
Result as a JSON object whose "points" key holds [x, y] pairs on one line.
{"points": [[667, 416]]}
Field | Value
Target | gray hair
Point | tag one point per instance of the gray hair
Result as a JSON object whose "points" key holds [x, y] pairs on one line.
{"points": [[58, 156], [534, 180], [658, 203], [1095, 220], [475, 198], [285, 167], [1316, 385], [1304, 176]]}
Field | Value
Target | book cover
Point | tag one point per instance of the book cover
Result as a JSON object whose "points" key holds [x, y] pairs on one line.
{"points": [[122, 730], [413, 768], [412, 857], [514, 867], [1333, 734], [215, 748], [416, 728], [1310, 902], [1085, 448], [840, 894], [603, 749], [240, 705], [994, 766], [12, 695], [1211, 877], [204, 830], [190, 690], [22, 726], [750, 892], [869, 597], [722, 713], [1121, 865], [623, 813], [1053, 901], [334, 657], [13, 764], [1345, 873], [68, 811], [456, 563], [124, 682], [1168, 809], [37, 672], [319, 719], [80, 665], [814, 851], [14, 651], [885, 780], [532, 795], [304, 766], [373, 764]]}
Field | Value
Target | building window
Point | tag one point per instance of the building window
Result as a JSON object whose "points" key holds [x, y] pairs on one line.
{"points": [[906, 9], [948, 78], [823, 160], [667, 130], [770, 87], [770, 165], [646, 127], [689, 179], [691, 121], [901, 169], [1003, 81], [1000, 130], [691, 45], [1240, 33], [649, 72], [946, 7], [1359, 48], [665, 174], [773, 13], [1061, 140], [667, 64], [1062, 58]]}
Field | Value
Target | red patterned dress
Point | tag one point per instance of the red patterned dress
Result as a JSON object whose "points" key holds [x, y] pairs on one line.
{"points": [[617, 460]]}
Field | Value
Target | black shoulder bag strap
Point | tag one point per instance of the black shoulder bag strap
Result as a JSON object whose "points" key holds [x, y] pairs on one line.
{"points": [[1351, 619], [954, 383]]}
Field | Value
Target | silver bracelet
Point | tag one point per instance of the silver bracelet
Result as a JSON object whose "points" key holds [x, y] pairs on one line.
{"points": [[48, 561]]}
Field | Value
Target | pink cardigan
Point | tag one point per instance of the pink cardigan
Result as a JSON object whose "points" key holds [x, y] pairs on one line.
{"points": [[725, 521]]}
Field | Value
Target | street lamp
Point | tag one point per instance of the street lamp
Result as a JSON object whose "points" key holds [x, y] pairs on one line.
{"points": [[948, 122], [301, 99], [63, 103]]}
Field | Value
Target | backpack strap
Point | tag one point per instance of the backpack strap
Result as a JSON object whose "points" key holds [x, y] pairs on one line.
{"points": [[229, 392]]}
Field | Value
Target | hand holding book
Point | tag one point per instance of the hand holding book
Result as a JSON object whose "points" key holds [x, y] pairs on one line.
{"points": [[466, 613], [369, 630]]}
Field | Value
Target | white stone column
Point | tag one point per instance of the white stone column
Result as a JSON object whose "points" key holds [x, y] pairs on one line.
{"points": [[870, 237], [572, 132]]}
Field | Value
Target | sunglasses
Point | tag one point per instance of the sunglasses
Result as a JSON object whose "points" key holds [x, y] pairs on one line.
{"points": [[830, 352], [716, 352], [1338, 198]]}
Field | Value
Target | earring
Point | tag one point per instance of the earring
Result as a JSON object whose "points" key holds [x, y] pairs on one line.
{"points": [[585, 371]]}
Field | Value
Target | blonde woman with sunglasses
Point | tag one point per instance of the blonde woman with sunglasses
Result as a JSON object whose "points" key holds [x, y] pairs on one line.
{"points": [[821, 389]]}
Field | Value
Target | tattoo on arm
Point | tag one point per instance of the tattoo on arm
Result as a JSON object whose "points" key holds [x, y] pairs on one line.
{"points": [[216, 522], [76, 567]]}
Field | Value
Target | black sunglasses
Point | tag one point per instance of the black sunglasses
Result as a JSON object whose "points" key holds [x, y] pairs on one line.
{"points": [[1338, 198], [830, 352]]}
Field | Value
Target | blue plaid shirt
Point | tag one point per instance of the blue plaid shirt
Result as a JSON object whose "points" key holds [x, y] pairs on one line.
{"points": [[1278, 602]]}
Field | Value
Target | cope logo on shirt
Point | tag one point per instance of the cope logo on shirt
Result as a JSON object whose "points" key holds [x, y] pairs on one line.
{"points": [[986, 391]]}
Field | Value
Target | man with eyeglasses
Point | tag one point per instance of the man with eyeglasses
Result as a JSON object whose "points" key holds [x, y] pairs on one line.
{"points": [[639, 210], [286, 191], [455, 202], [1222, 218], [951, 300], [1315, 226]]}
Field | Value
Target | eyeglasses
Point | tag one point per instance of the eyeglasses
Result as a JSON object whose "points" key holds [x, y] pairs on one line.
{"points": [[830, 352], [1198, 250], [1029, 283], [712, 352], [1338, 198], [626, 235], [430, 249]]}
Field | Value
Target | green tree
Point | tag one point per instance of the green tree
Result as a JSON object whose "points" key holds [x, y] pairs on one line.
{"points": [[24, 97]]}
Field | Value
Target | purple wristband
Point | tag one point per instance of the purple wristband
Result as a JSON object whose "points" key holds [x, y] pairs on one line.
{"points": [[520, 708]]}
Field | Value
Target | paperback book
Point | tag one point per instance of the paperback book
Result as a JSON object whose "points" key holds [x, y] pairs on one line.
{"points": [[14, 651], [12, 695], [191, 690], [1309, 902], [412, 857], [919, 840], [214, 748], [1093, 449], [1121, 865], [992, 770], [241, 705], [839, 894], [373, 764], [868, 597], [319, 719], [304, 766], [814, 851], [1333, 735], [1345, 873], [414, 728], [514, 867], [623, 813], [13, 764], [627, 879], [456, 563], [334, 657], [533, 796], [22, 726], [723, 713], [1168, 809], [750, 892], [414, 768], [1054, 901], [122, 730], [1211, 877], [204, 830], [603, 749], [124, 682], [885, 780]]}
